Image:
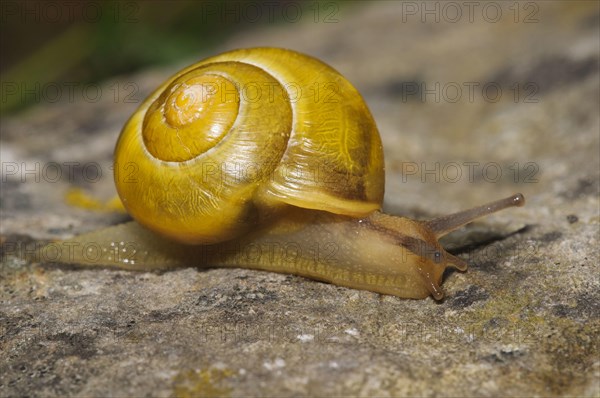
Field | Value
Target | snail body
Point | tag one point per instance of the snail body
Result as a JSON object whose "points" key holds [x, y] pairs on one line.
{"points": [[268, 159]]}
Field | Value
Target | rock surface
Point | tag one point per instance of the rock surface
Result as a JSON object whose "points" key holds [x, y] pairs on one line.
{"points": [[524, 319]]}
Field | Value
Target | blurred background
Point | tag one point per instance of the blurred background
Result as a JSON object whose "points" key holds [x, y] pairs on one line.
{"points": [[57, 42]]}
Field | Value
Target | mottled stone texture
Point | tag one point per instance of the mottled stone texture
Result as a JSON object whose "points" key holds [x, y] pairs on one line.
{"points": [[522, 321]]}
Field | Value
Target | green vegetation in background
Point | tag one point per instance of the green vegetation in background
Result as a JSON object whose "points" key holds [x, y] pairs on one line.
{"points": [[65, 42]]}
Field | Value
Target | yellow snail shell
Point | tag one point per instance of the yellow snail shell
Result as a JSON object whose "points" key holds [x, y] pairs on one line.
{"points": [[200, 133]]}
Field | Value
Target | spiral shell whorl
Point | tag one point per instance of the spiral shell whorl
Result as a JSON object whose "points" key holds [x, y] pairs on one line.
{"points": [[197, 170], [191, 116]]}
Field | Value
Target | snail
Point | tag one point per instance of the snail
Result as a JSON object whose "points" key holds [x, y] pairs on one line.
{"points": [[267, 159]]}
